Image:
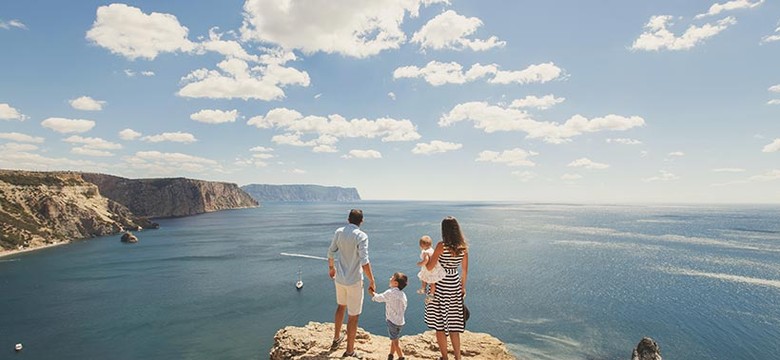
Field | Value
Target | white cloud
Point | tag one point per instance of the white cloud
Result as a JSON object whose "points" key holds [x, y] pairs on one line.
{"points": [[14, 136], [170, 163], [658, 37], [356, 28], [363, 154], [774, 88], [63, 125], [716, 9], [29, 161], [83, 150], [86, 103], [147, 73], [237, 80], [541, 103], [215, 116], [391, 95], [773, 102], [435, 147], [12, 24], [513, 157], [772, 38], [318, 96], [664, 176], [263, 156], [524, 176], [676, 153], [178, 136], [774, 146], [495, 118], [132, 73], [588, 164], [450, 30], [571, 177], [261, 149], [229, 48], [331, 128], [129, 134], [127, 31], [624, 141], [439, 73], [9, 113], [768, 176], [298, 171], [16, 147], [92, 143], [728, 170]]}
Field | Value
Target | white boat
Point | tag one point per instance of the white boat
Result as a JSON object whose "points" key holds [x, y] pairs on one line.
{"points": [[299, 283], [18, 347]]}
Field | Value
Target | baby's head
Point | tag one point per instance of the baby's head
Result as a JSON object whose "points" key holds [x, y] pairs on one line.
{"points": [[425, 242], [399, 280]]}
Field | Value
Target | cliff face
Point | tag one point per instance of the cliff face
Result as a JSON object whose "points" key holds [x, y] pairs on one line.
{"points": [[312, 342], [261, 192], [171, 197], [38, 208]]}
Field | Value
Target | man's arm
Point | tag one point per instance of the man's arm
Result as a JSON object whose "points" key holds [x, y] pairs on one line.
{"points": [[370, 275], [363, 254], [332, 249]]}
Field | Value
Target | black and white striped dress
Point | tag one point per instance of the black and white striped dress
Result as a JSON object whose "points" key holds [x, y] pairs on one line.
{"points": [[445, 311]]}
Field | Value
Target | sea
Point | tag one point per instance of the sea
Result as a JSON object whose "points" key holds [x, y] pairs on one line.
{"points": [[552, 281]]}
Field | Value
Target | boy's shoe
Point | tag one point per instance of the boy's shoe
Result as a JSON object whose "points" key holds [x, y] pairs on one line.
{"points": [[390, 357], [421, 291], [335, 344], [354, 354], [428, 299]]}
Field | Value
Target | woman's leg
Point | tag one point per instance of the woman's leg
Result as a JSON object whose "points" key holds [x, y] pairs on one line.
{"points": [[455, 337], [441, 339]]}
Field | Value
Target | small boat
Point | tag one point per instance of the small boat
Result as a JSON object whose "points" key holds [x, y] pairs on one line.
{"points": [[299, 283], [18, 347]]}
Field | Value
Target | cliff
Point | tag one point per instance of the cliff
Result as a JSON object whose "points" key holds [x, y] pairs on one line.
{"points": [[171, 197], [43, 208], [261, 192], [312, 342]]}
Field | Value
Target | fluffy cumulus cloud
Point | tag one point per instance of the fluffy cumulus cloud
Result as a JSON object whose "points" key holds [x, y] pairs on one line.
{"points": [[128, 31], [774, 146], [541, 103], [331, 128], [91, 146], [450, 30], [132, 73], [18, 137], [356, 28], [180, 137], [66, 126], [512, 157], [771, 175], [491, 118], [435, 147], [773, 37], [676, 154], [22, 158], [87, 103], [7, 25], [16, 148], [129, 134], [82, 150], [624, 141], [588, 164], [662, 176], [229, 48], [362, 154], [657, 35], [155, 162], [236, 79], [439, 73], [215, 116], [718, 8], [9, 113]]}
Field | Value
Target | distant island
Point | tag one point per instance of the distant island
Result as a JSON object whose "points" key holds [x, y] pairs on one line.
{"points": [[263, 192]]}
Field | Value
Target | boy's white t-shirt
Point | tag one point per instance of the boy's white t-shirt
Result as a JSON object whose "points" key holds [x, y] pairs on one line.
{"points": [[395, 305]]}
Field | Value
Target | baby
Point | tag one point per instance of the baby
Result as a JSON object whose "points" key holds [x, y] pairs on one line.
{"points": [[428, 277], [395, 307]]}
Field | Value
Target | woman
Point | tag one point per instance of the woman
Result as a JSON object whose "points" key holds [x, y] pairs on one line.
{"points": [[445, 312]]}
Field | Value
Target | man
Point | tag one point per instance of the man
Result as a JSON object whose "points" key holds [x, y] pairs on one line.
{"points": [[350, 244]]}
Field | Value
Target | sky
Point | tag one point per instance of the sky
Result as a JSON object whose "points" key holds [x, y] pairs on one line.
{"points": [[661, 101]]}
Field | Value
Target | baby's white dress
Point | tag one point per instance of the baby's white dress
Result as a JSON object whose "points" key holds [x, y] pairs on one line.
{"points": [[430, 276]]}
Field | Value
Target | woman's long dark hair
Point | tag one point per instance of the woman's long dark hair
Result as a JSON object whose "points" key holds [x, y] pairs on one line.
{"points": [[452, 236]]}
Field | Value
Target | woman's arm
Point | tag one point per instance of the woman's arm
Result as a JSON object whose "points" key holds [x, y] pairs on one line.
{"points": [[465, 276], [435, 257]]}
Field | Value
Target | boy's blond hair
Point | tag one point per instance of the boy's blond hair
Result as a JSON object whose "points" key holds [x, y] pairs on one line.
{"points": [[425, 239]]}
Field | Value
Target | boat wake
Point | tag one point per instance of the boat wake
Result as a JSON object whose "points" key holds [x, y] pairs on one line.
{"points": [[304, 256]]}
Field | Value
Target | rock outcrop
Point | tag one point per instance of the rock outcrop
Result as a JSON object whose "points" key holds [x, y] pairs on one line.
{"points": [[43, 208], [312, 342], [171, 197], [647, 349], [129, 238], [261, 192]]}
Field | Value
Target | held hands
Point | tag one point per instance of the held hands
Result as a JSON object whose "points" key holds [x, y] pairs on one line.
{"points": [[371, 287], [332, 272]]}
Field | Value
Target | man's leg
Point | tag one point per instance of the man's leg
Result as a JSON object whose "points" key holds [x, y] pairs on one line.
{"points": [[338, 320], [352, 323]]}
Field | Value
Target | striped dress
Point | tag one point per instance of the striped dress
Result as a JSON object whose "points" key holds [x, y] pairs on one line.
{"points": [[445, 311]]}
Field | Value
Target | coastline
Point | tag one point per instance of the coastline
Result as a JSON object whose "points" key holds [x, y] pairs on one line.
{"points": [[6, 253]]}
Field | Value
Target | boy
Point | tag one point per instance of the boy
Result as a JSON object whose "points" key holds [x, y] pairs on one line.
{"points": [[395, 307]]}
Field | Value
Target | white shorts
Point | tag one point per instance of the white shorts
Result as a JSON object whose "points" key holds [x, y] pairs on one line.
{"points": [[351, 296]]}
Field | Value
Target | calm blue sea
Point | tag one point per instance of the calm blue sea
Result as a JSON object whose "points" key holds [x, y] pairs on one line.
{"points": [[553, 281]]}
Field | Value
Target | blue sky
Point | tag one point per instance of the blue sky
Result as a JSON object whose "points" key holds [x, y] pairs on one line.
{"points": [[609, 101]]}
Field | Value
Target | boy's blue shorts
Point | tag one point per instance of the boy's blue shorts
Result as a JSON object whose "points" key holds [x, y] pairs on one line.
{"points": [[393, 330]]}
